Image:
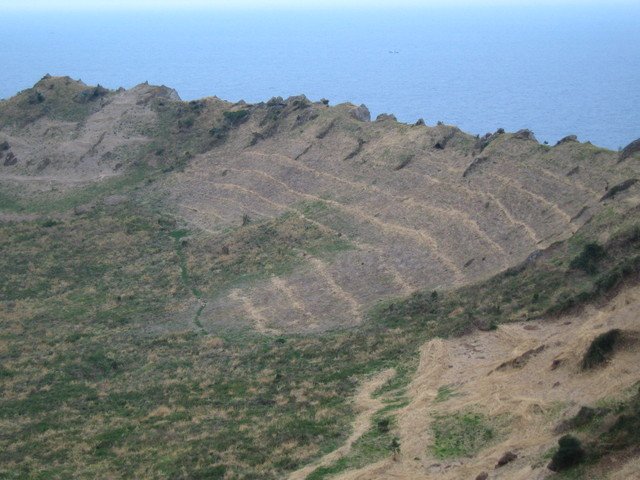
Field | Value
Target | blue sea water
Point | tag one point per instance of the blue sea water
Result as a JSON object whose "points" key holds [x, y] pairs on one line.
{"points": [[556, 71]]}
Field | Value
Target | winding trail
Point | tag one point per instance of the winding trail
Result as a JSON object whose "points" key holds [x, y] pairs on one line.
{"points": [[366, 406]]}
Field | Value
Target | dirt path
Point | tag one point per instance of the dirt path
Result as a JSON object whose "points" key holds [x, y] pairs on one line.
{"points": [[533, 397], [366, 406], [259, 320], [54, 178]]}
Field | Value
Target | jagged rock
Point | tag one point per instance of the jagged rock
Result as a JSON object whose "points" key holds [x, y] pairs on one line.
{"points": [[298, 101], [420, 122], [147, 93], [482, 476], [91, 94], [113, 200], [386, 116], [567, 139], [324, 101], [361, 113], [484, 141], [276, 101], [629, 150], [525, 134], [508, 457]]}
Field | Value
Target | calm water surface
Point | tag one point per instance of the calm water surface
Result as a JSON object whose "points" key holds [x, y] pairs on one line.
{"points": [[555, 71]]}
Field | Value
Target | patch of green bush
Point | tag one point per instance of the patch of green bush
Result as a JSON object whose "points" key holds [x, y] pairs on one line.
{"points": [[236, 117], [570, 453], [588, 260], [601, 349], [461, 434]]}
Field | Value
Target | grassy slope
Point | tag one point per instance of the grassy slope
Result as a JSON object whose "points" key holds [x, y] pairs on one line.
{"points": [[103, 373], [59, 98]]}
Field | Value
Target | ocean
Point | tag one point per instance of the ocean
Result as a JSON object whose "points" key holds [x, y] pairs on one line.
{"points": [[556, 71]]}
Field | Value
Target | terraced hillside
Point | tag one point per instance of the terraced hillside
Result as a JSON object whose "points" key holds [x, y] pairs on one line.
{"points": [[416, 206], [214, 290]]}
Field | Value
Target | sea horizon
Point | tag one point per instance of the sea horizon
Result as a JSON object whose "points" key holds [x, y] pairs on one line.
{"points": [[555, 71]]}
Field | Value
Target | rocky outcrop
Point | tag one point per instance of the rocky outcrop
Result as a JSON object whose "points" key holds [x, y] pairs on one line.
{"points": [[525, 134], [629, 150], [386, 116], [147, 92], [483, 142], [361, 113], [567, 139]]}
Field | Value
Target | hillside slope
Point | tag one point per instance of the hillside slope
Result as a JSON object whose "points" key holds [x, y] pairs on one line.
{"points": [[410, 207], [290, 290]]}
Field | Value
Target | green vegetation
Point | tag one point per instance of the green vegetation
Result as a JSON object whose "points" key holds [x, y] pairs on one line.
{"points": [[569, 454], [55, 98], [377, 443], [445, 392], [545, 286], [612, 427], [236, 117], [461, 434], [104, 375], [256, 250], [589, 258], [13, 200], [601, 349]]}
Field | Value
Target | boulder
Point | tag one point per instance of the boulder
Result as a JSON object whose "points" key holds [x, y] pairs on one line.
{"points": [[482, 476], [508, 457], [386, 116], [361, 113], [567, 139], [276, 102], [525, 134], [298, 101], [630, 150], [420, 122]]}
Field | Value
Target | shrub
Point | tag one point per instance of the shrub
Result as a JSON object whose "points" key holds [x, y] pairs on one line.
{"points": [[600, 349], [460, 434], [589, 258], [35, 97], [384, 425], [236, 117], [569, 454]]}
